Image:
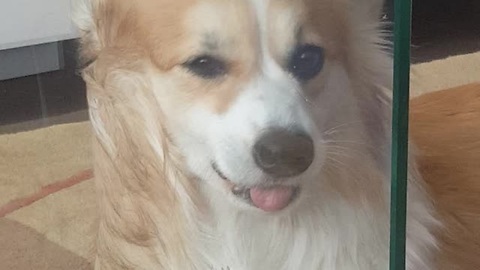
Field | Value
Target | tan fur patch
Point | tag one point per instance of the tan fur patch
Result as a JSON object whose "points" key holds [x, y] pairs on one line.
{"points": [[446, 127], [204, 28], [133, 180], [292, 22]]}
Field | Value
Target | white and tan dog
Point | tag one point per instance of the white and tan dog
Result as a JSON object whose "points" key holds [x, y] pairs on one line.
{"points": [[244, 135]]}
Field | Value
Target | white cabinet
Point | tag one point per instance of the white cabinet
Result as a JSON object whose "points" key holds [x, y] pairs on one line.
{"points": [[32, 22], [29, 35]]}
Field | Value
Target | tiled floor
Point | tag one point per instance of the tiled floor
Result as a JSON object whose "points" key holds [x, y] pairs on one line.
{"points": [[441, 28]]}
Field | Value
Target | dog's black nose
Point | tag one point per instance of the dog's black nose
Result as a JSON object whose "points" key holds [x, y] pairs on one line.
{"points": [[283, 153]]}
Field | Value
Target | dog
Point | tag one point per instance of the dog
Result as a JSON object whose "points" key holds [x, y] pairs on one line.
{"points": [[246, 135], [446, 126]]}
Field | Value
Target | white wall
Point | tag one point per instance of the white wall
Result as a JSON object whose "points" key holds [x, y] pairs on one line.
{"points": [[31, 22]]}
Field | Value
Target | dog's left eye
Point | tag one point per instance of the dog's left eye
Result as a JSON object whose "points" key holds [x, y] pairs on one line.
{"points": [[306, 62], [207, 67]]}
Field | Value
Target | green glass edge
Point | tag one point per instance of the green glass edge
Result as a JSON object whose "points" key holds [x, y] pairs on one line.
{"points": [[399, 172]]}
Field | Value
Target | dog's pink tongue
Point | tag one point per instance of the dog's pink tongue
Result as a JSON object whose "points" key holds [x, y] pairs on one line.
{"points": [[271, 199]]}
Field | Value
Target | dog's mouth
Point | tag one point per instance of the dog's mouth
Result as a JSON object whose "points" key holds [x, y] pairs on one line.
{"points": [[269, 198]]}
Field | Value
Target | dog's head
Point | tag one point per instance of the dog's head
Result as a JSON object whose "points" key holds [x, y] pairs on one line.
{"points": [[251, 91]]}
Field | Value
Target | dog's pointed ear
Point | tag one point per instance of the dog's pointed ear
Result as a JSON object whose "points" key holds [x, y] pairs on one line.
{"points": [[84, 18], [100, 23]]}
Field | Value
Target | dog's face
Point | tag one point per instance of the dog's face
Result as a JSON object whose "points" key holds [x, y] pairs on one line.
{"points": [[243, 96], [248, 89]]}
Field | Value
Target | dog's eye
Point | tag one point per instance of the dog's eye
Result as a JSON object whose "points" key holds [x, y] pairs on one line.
{"points": [[306, 62], [206, 67]]}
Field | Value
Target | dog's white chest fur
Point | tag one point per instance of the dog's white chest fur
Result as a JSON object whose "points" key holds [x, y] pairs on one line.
{"points": [[329, 237], [325, 233]]}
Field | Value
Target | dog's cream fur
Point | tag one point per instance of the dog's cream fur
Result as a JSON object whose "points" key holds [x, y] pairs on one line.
{"points": [[158, 128]]}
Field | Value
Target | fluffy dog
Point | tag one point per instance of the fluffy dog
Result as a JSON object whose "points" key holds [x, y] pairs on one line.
{"points": [[245, 135]]}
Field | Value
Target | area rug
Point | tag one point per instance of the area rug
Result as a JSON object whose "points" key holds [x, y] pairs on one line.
{"points": [[446, 73], [47, 200]]}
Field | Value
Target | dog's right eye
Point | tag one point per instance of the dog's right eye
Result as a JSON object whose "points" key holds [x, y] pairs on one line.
{"points": [[207, 67], [306, 62]]}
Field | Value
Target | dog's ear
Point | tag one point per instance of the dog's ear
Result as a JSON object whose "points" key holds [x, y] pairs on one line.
{"points": [[84, 18], [100, 23]]}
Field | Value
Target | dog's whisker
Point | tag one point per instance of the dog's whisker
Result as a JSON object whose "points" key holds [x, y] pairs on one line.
{"points": [[303, 96], [343, 125], [350, 152], [336, 142], [349, 145]]}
